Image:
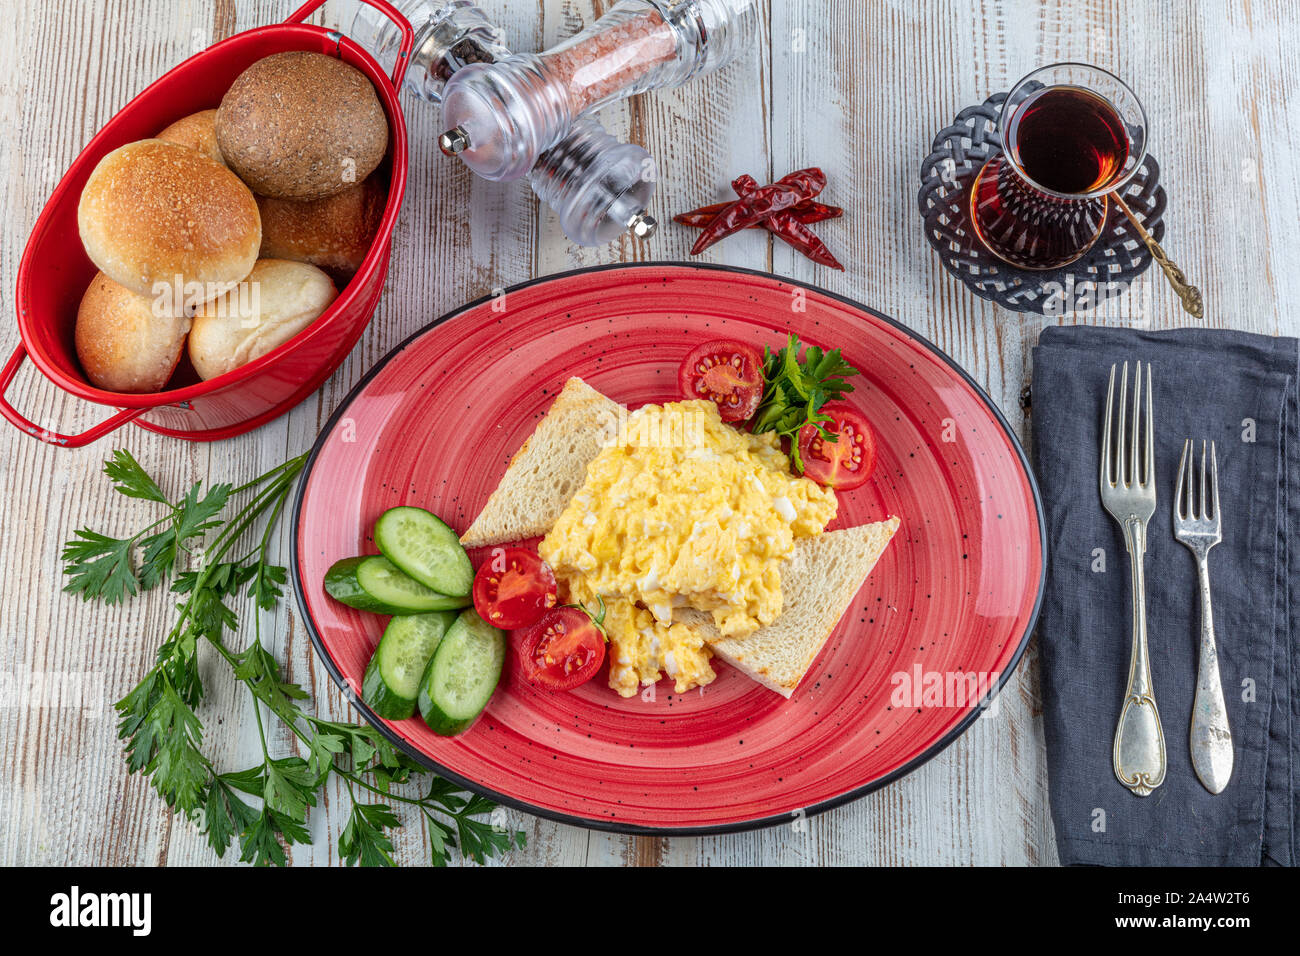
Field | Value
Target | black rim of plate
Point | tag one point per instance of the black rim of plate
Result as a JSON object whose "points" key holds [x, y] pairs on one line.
{"points": [[614, 826]]}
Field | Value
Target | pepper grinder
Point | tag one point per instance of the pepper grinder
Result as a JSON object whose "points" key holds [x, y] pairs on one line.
{"points": [[597, 186], [502, 116]]}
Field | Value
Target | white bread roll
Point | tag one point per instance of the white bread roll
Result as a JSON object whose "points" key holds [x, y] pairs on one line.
{"points": [[197, 131], [126, 344], [157, 212], [277, 301], [334, 233]]}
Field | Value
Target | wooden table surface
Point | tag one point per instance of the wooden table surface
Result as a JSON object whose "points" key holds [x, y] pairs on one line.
{"points": [[856, 87]]}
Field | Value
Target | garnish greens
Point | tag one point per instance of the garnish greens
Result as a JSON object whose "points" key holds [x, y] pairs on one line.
{"points": [[795, 389], [162, 733]]}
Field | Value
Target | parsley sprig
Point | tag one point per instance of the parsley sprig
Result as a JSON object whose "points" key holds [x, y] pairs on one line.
{"points": [[158, 722], [795, 390]]}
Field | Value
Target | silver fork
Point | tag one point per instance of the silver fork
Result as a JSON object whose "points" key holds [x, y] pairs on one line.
{"points": [[1128, 491], [1198, 524]]}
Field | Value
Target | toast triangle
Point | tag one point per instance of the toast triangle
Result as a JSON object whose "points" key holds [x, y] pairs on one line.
{"points": [[548, 470], [818, 581]]}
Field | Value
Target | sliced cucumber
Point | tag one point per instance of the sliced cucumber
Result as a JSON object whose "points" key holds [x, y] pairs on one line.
{"points": [[422, 545], [373, 583], [462, 674], [392, 683]]}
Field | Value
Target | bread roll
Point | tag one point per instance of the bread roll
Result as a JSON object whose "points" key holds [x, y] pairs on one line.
{"points": [[197, 131], [126, 344], [334, 233], [155, 212], [301, 125], [277, 301]]}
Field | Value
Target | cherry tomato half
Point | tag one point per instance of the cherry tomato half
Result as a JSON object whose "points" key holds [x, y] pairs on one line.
{"points": [[727, 372], [562, 650], [513, 588], [843, 464]]}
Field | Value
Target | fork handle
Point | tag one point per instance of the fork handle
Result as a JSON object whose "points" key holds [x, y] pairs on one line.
{"points": [[1211, 738], [1139, 750]]}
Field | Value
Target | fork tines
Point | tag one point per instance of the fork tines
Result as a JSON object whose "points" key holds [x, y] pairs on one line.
{"points": [[1122, 469], [1194, 504]]}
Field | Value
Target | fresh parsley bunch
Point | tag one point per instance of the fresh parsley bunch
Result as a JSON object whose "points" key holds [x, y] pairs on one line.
{"points": [[162, 733], [795, 390]]}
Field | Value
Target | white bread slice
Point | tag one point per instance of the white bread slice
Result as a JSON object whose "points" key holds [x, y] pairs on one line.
{"points": [[548, 470], [818, 582]]}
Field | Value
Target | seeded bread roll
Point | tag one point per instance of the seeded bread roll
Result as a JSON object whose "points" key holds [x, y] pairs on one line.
{"points": [[126, 344], [197, 131], [277, 301], [301, 126], [334, 233], [154, 211]]}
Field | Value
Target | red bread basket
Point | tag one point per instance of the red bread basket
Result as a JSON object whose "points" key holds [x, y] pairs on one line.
{"points": [[55, 270]]}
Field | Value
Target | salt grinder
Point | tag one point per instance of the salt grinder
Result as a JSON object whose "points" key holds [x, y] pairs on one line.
{"points": [[597, 186], [502, 116]]}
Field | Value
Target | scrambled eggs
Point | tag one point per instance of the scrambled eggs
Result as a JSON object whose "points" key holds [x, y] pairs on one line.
{"points": [[682, 510]]}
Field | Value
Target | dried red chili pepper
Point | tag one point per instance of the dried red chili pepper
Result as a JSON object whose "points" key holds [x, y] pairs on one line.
{"points": [[803, 239], [808, 212], [789, 229], [763, 201]]}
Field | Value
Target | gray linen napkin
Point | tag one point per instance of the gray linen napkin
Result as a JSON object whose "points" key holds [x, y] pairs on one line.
{"points": [[1239, 390]]}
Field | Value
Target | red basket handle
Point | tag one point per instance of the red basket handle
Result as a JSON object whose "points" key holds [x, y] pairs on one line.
{"points": [[408, 35], [44, 434]]}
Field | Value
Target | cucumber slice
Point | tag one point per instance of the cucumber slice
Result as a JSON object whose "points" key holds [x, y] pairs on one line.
{"points": [[373, 583], [422, 545], [392, 683], [462, 674]]}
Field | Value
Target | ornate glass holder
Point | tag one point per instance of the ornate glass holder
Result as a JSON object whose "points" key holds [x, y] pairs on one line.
{"points": [[1106, 270]]}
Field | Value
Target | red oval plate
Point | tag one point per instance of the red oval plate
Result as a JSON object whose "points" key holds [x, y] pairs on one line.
{"points": [[957, 592]]}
